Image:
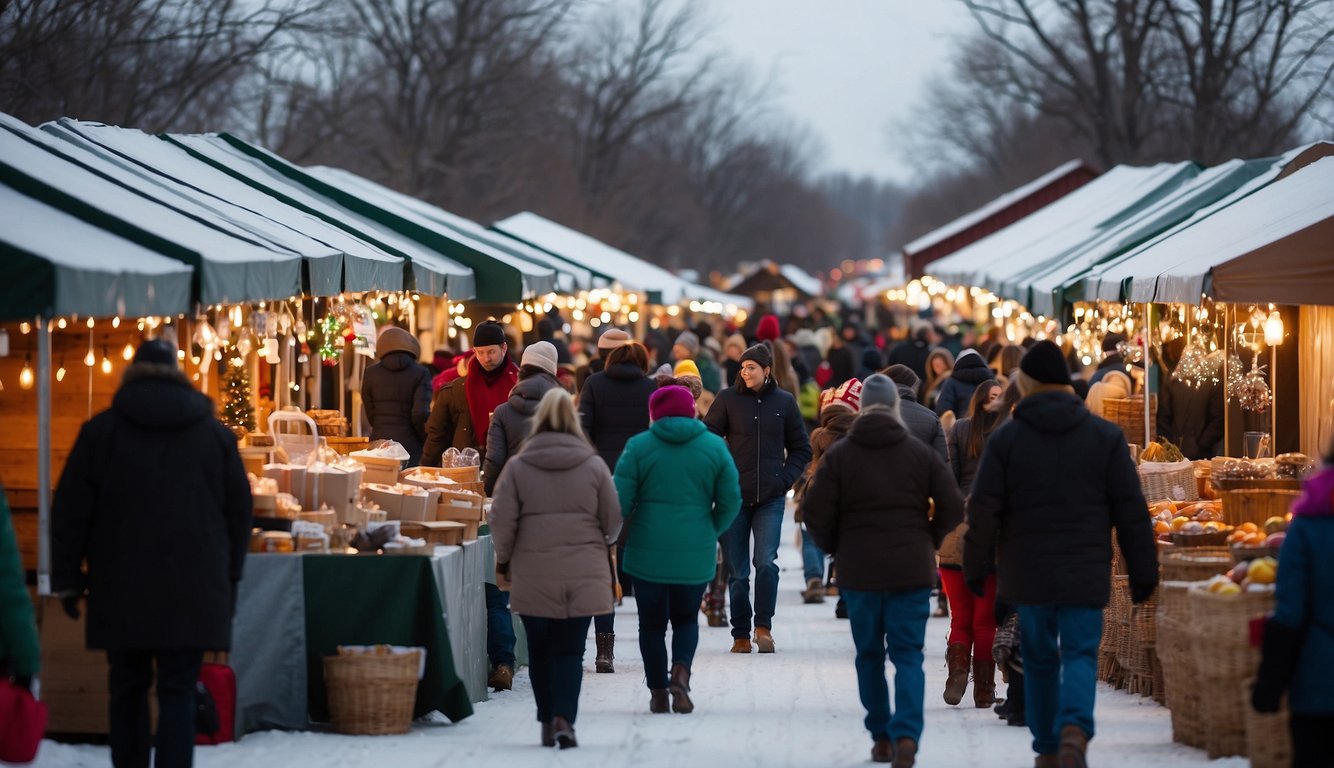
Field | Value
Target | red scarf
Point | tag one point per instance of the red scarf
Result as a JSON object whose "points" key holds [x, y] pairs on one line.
{"points": [[486, 392]]}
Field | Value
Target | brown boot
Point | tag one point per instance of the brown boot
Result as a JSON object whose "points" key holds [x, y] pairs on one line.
{"points": [[764, 640], [1074, 746], [956, 658], [563, 733], [1046, 761], [606, 643], [984, 682], [741, 645], [680, 687], [657, 702], [814, 592], [905, 753], [501, 679], [882, 751]]}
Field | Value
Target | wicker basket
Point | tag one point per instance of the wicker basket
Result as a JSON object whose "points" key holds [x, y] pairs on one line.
{"points": [[1143, 641], [372, 694], [1268, 740], [1168, 480], [1220, 624], [1128, 414], [1181, 693], [1256, 505], [1194, 563]]}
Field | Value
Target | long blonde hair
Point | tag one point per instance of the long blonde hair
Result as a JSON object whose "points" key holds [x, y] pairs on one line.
{"points": [[555, 413]]}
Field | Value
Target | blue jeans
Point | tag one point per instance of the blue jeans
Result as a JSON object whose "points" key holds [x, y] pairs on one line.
{"points": [[812, 557], [765, 521], [1059, 644], [556, 664], [658, 605], [893, 622], [499, 627]]}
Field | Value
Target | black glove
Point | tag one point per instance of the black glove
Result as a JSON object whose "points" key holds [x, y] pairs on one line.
{"points": [[70, 602], [1141, 592], [1278, 662], [978, 587]]}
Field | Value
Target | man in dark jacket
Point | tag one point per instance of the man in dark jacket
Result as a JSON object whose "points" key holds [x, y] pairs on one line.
{"points": [[969, 371], [396, 392], [765, 433], [155, 499], [869, 505], [1053, 484], [1190, 416], [912, 352], [922, 422], [511, 422], [461, 411]]}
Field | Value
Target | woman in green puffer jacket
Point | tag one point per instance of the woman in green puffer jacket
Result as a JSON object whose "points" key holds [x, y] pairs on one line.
{"points": [[679, 491], [19, 656]]}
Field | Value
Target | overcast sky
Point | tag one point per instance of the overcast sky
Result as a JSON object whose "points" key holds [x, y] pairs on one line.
{"points": [[845, 68]]}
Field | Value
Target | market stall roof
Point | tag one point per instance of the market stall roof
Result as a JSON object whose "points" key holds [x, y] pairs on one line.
{"points": [[499, 277], [771, 276], [659, 285], [541, 274], [162, 168], [1046, 283], [54, 263], [1271, 241], [227, 269], [425, 270], [1107, 201]]}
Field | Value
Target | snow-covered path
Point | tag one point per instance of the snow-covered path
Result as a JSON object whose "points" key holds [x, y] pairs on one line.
{"points": [[797, 707]]}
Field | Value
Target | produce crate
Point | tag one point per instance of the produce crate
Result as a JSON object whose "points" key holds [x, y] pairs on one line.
{"points": [[1256, 505]]}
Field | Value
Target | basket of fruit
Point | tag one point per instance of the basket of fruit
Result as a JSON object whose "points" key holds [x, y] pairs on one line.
{"points": [[1166, 474], [1248, 541], [1220, 619]]}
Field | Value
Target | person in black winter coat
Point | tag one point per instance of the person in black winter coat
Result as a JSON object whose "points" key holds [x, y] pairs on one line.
{"points": [[396, 392], [913, 352], [871, 362], [1191, 417], [921, 422], [764, 431], [1053, 484], [869, 505], [613, 405], [969, 371], [510, 422], [155, 500]]}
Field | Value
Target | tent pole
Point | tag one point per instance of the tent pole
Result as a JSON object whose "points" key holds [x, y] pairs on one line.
{"points": [[43, 456], [1144, 336]]}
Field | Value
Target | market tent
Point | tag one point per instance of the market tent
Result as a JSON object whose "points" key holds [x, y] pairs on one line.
{"points": [[1053, 231], [658, 285], [54, 263], [1263, 241], [499, 277], [1046, 283], [166, 167], [227, 269], [425, 270], [770, 276], [569, 278]]}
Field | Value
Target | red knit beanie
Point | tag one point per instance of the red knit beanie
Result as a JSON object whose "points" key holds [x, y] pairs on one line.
{"points": [[671, 400], [768, 329]]}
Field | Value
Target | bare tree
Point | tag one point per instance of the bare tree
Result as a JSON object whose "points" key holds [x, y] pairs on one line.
{"points": [[154, 64]]}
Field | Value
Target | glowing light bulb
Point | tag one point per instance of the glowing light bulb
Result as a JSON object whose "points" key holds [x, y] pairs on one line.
{"points": [[60, 372], [106, 364], [91, 323], [26, 377], [128, 352], [59, 324], [89, 360], [115, 322], [1274, 329]]}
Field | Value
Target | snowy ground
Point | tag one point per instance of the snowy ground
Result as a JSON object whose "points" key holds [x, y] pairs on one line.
{"points": [[797, 707]]}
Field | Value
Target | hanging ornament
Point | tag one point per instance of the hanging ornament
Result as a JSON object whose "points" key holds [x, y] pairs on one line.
{"points": [[1254, 394], [245, 343], [331, 338], [1235, 377]]}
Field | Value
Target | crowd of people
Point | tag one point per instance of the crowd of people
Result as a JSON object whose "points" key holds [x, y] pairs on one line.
{"points": [[661, 468]]}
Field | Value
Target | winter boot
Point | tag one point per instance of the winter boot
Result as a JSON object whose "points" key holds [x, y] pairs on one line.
{"points": [[984, 682], [956, 658], [814, 592], [882, 751], [905, 753], [563, 733], [548, 740], [1074, 746], [764, 641], [680, 688], [1046, 761], [501, 679], [831, 581], [606, 642], [840, 608], [657, 702], [741, 645], [1014, 703]]}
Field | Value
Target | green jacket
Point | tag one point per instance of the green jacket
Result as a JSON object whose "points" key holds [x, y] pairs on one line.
{"points": [[679, 491], [18, 629]]}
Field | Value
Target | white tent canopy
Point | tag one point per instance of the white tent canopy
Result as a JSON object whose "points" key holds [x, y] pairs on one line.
{"points": [[167, 167]]}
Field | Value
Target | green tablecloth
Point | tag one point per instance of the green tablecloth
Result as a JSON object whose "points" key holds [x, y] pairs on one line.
{"points": [[392, 599]]}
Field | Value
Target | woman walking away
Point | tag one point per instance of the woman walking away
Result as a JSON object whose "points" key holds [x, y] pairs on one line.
{"points": [[972, 620], [554, 514], [969, 371], [869, 505], [679, 491], [838, 408], [1298, 648]]}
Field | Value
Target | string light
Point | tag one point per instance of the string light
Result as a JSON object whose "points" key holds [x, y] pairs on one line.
{"points": [[26, 377], [60, 323], [91, 323], [128, 352], [60, 372], [89, 359], [115, 322], [26, 328], [106, 360]]}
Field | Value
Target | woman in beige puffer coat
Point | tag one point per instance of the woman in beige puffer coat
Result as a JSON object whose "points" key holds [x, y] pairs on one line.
{"points": [[554, 514]]}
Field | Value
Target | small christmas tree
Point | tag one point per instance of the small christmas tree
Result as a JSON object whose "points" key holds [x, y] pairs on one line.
{"points": [[237, 410]]}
